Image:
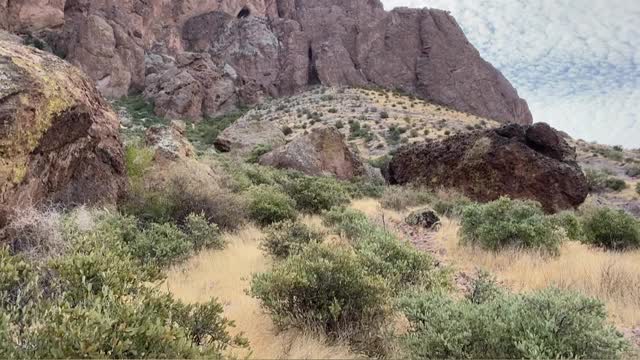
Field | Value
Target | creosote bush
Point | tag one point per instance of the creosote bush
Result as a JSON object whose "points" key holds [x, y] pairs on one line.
{"points": [[510, 223], [600, 181], [288, 238], [611, 229], [316, 194], [546, 324]]}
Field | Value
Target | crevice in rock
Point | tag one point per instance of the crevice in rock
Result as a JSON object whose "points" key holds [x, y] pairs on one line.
{"points": [[245, 12], [314, 78]]}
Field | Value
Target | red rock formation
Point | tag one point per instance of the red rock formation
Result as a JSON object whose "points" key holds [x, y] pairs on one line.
{"points": [[264, 48], [59, 140], [524, 162], [323, 152]]}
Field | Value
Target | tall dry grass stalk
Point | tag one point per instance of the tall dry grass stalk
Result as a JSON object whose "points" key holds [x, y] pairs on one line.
{"points": [[612, 277], [225, 275]]}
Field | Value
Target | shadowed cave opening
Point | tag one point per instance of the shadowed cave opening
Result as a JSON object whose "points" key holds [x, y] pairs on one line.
{"points": [[314, 78], [244, 13]]}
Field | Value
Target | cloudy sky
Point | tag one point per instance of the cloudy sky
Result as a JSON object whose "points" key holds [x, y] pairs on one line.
{"points": [[577, 62]]}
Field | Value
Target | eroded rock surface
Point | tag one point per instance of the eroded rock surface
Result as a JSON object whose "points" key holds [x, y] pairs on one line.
{"points": [[324, 151], [525, 162], [254, 49], [59, 140]]}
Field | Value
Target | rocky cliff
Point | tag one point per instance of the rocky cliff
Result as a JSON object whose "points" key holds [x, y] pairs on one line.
{"points": [[204, 57]]}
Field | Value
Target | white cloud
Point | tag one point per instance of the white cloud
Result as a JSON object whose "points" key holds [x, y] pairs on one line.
{"points": [[576, 62]]}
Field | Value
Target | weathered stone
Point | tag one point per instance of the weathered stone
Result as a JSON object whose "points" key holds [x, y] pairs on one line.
{"points": [[169, 142], [525, 162], [59, 140], [246, 134], [324, 151], [425, 218]]}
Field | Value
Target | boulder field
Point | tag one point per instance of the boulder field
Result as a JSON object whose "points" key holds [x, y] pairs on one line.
{"points": [[196, 58]]}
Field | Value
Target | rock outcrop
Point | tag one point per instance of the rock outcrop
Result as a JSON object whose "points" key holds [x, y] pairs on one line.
{"points": [[524, 162], [249, 50], [323, 152], [246, 134], [59, 140]]}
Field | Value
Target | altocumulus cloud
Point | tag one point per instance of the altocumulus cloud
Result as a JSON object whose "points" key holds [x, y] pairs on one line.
{"points": [[577, 62]]}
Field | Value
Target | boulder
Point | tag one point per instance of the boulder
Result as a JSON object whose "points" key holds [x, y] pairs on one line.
{"points": [[425, 218], [324, 151], [59, 140], [246, 134], [524, 162], [169, 142]]}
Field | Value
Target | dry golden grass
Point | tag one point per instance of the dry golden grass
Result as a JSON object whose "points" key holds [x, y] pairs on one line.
{"points": [[225, 275], [612, 277]]}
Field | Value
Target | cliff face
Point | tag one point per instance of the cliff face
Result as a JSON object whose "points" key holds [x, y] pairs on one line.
{"points": [[203, 57]]}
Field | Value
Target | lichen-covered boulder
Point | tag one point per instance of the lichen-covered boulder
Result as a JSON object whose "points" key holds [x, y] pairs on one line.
{"points": [[59, 140], [524, 162]]}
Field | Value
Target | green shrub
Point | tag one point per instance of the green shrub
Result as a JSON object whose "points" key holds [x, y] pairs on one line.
{"points": [[400, 264], [400, 198], [615, 184], [570, 223], [509, 223], [138, 160], [257, 153], [202, 234], [323, 288], [601, 181], [547, 324], [288, 238], [638, 188], [269, 205], [451, 205], [363, 187], [611, 229], [633, 170], [95, 302], [204, 133], [381, 162], [161, 245], [316, 194]]}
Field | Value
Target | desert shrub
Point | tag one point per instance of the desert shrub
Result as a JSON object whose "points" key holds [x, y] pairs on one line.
{"points": [[401, 198], [287, 131], [161, 245], [364, 187], [95, 302], [483, 288], [384, 115], [615, 184], [203, 234], [204, 133], [451, 204], [258, 151], [323, 288], [316, 194], [546, 324], [36, 235], [601, 181], [638, 188], [288, 238], [383, 254], [611, 229], [633, 170], [138, 159], [381, 162], [570, 223], [509, 223], [183, 194], [269, 205]]}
